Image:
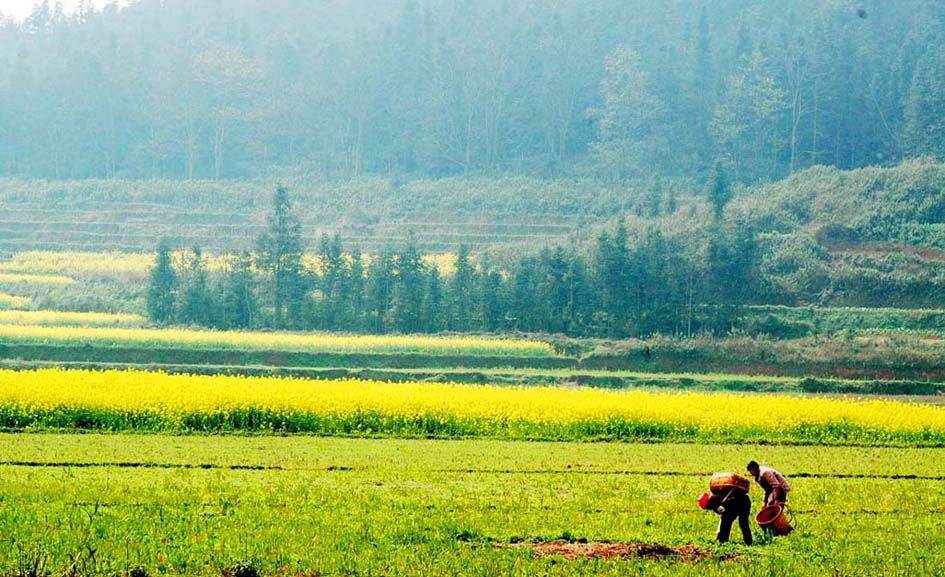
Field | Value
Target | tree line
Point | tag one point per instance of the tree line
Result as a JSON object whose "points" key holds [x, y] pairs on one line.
{"points": [[620, 89], [620, 288]]}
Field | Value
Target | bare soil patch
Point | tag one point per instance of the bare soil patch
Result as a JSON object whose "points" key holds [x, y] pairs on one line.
{"points": [[599, 550]]}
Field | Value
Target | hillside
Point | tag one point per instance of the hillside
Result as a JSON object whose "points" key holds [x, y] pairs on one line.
{"points": [[855, 237], [825, 237], [130, 215]]}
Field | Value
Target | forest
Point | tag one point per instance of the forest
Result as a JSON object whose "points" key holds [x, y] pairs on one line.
{"points": [[616, 90], [652, 287], [654, 272]]}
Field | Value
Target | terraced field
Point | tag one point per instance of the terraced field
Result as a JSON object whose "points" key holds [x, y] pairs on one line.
{"points": [[224, 217], [135, 228]]}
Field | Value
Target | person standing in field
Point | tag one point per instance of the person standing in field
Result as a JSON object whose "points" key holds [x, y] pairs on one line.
{"points": [[775, 486]]}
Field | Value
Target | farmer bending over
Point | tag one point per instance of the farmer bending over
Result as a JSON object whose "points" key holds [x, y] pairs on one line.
{"points": [[735, 504], [775, 486]]}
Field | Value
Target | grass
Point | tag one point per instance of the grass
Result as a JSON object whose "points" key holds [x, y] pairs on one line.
{"points": [[880, 357], [201, 505], [839, 320]]}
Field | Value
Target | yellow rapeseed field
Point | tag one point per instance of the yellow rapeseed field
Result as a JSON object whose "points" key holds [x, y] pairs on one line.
{"points": [[119, 263], [61, 318], [133, 391], [92, 263], [292, 342], [8, 301], [41, 279]]}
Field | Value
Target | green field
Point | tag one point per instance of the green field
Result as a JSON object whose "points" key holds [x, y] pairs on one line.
{"points": [[105, 505]]}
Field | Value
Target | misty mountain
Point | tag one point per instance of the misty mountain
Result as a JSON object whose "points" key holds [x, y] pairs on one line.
{"points": [[609, 89]]}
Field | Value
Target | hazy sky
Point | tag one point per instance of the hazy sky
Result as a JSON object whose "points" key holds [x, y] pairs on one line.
{"points": [[19, 9]]}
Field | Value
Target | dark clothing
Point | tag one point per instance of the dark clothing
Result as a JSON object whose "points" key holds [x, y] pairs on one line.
{"points": [[736, 505]]}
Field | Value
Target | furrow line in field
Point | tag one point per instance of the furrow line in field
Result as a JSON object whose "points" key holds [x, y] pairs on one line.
{"points": [[336, 468]]}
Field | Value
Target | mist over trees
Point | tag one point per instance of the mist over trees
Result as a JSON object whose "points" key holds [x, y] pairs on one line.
{"points": [[617, 89]]}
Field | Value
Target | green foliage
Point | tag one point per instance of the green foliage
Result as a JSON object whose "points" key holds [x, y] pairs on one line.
{"points": [[720, 190], [924, 130], [162, 285], [200, 505], [370, 424], [279, 255], [196, 303], [239, 299], [632, 123]]}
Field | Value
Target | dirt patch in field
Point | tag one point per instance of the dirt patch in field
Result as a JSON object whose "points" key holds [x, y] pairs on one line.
{"points": [[573, 551]]}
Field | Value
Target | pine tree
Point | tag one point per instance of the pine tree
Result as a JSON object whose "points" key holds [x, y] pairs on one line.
{"points": [[925, 120], [332, 281], [355, 315], [461, 292], [162, 286], [432, 310], [239, 302], [489, 286], [613, 282], [280, 256], [720, 191], [380, 288], [408, 290], [196, 302]]}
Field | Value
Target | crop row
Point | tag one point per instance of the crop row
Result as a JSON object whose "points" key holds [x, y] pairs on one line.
{"points": [[8, 301], [129, 400], [43, 263], [287, 342], [60, 318], [36, 279]]}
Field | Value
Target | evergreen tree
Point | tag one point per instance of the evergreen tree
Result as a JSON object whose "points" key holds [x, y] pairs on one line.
{"points": [[162, 286], [490, 283], [580, 301], [522, 316], [196, 301], [433, 320], [239, 302], [925, 110], [462, 292], [355, 316], [613, 282], [554, 293], [280, 256], [333, 280], [720, 191], [408, 289], [380, 288], [630, 126]]}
